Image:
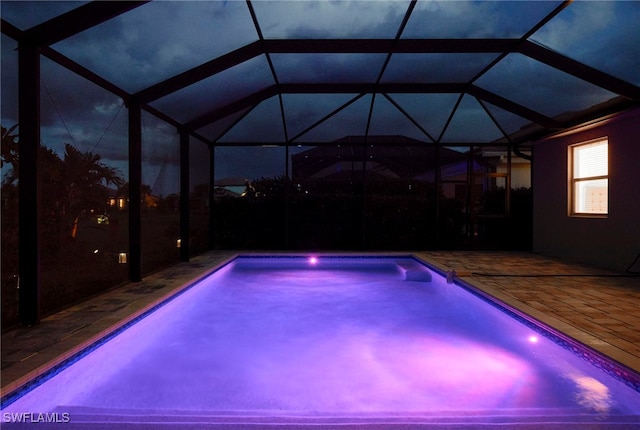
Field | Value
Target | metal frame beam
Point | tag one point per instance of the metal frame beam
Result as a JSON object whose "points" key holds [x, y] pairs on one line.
{"points": [[28, 192], [82, 71], [389, 88], [135, 192], [513, 107], [199, 73], [387, 46], [185, 249], [580, 70]]}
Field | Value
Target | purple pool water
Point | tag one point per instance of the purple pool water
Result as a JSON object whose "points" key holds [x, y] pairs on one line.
{"points": [[339, 342]]}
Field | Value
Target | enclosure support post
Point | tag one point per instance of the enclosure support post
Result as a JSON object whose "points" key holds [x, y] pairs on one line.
{"points": [[135, 191], [470, 210], [184, 196], [363, 226], [508, 182], [287, 183], [438, 185], [28, 244], [212, 195]]}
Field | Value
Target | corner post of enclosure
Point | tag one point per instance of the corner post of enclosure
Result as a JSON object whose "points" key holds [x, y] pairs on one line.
{"points": [[184, 195], [28, 243], [135, 191]]}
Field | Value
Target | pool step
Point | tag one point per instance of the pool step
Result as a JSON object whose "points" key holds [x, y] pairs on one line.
{"points": [[414, 271], [83, 418]]}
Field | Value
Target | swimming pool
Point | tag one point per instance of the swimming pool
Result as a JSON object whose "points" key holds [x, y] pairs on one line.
{"points": [[339, 342]]}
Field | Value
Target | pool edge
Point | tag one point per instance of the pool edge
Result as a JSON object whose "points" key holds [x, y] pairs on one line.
{"points": [[32, 377]]}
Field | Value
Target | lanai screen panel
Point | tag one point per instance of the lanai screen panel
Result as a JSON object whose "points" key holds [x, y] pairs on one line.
{"points": [[475, 20], [600, 34], [160, 39], [320, 19], [218, 90], [547, 90]]}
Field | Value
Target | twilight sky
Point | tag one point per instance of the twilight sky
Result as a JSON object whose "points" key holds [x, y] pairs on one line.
{"points": [[163, 38]]}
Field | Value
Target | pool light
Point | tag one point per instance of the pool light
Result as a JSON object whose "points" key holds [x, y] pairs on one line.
{"points": [[313, 260], [533, 339]]}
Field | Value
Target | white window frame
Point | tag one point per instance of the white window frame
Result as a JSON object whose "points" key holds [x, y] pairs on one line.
{"points": [[576, 207]]}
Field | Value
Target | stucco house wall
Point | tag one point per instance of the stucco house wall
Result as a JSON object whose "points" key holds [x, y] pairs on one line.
{"points": [[612, 242]]}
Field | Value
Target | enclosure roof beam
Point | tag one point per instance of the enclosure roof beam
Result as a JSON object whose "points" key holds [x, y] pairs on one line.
{"points": [[11, 30], [580, 70], [273, 90], [385, 46], [318, 46], [166, 118], [244, 103], [82, 71], [200, 72], [513, 107], [390, 88]]}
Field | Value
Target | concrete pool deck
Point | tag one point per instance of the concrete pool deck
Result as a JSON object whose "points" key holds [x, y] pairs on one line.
{"points": [[597, 307]]}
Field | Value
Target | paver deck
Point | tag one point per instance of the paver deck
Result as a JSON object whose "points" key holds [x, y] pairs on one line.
{"points": [[597, 307]]}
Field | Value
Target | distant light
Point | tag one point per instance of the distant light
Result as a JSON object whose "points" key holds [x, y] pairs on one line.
{"points": [[122, 258], [95, 251], [178, 243], [533, 339], [313, 260]]}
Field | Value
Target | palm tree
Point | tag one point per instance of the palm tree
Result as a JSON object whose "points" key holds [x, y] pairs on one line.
{"points": [[84, 183]]}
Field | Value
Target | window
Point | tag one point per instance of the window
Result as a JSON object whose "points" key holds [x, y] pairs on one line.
{"points": [[589, 170]]}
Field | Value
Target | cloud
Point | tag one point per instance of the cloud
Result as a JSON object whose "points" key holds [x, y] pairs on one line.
{"points": [[570, 29], [330, 19], [466, 19], [540, 87], [327, 68], [603, 35], [431, 68]]}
